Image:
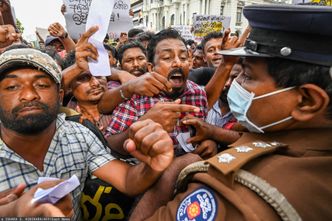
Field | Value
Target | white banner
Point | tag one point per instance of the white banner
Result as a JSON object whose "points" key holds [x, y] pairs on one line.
{"points": [[77, 13], [185, 31]]}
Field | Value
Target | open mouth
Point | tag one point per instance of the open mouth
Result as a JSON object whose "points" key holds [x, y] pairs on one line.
{"points": [[176, 78]]}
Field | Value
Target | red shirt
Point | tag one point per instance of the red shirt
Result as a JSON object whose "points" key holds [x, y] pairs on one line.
{"points": [[130, 111]]}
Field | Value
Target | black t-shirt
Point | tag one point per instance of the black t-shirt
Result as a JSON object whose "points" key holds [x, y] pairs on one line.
{"points": [[201, 76]]}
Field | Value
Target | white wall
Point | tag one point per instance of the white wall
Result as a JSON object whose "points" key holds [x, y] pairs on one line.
{"points": [[167, 8]]}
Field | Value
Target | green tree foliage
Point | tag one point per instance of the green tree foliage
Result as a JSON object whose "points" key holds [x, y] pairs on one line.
{"points": [[19, 25]]}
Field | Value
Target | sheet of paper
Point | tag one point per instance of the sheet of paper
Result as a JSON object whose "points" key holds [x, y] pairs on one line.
{"points": [[54, 194], [100, 14], [182, 138], [77, 12]]}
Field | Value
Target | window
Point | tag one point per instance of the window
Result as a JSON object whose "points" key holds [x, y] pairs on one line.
{"points": [[239, 15], [172, 19], [163, 22]]}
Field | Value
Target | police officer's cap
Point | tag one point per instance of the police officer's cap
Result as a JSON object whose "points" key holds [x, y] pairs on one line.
{"points": [[295, 32]]}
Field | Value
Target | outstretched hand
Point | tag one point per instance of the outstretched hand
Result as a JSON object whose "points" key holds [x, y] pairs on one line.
{"points": [[203, 129], [150, 144], [149, 84], [230, 42], [85, 50], [23, 207], [167, 114], [12, 194]]}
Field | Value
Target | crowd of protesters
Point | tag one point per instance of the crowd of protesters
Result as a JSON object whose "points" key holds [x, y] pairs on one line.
{"points": [[247, 119]]}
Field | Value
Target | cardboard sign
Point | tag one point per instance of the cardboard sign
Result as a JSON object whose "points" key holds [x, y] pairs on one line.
{"points": [[77, 13], [320, 2], [204, 24]]}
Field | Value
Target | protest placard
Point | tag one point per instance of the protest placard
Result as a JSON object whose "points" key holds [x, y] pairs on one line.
{"points": [[185, 31], [204, 24], [77, 12], [319, 2]]}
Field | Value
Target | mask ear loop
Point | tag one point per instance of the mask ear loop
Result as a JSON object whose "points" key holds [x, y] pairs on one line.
{"points": [[274, 92], [276, 123]]}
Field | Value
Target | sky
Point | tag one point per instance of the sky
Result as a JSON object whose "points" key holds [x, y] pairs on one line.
{"points": [[37, 13]]}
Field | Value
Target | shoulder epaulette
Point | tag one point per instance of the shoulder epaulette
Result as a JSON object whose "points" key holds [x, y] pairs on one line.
{"points": [[228, 161], [234, 158]]}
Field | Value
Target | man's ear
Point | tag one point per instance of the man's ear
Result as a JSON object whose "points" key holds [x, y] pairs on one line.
{"points": [[313, 101], [150, 66], [61, 95]]}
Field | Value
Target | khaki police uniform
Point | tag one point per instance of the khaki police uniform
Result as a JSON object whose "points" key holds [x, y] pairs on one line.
{"points": [[276, 176], [283, 175]]}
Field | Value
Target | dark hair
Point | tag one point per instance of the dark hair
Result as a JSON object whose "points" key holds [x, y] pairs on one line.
{"points": [[288, 73], [199, 47], [133, 32], [112, 50], [53, 54], [107, 38], [131, 44], [162, 35], [144, 36], [210, 36], [190, 42]]}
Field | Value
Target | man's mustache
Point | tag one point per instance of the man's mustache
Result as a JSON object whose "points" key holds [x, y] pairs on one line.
{"points": [[175, 71], [29, 104], [140, 70]]}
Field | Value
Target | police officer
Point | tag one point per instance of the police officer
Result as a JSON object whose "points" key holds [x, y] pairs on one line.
{"points": [[282, 170]]}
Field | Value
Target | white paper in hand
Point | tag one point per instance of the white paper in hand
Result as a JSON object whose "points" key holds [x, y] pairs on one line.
{"points": [[182, 138], [54, 194], [100, 14]]}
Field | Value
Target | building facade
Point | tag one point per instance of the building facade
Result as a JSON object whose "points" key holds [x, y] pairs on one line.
{"points": [[137, 7], [160, 14]]}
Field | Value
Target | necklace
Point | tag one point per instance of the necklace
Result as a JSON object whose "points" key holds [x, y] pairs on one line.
{"points": [[86, 115]]}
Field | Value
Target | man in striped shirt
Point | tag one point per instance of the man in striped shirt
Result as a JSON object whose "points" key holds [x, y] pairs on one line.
{"points": [[37, 142]]}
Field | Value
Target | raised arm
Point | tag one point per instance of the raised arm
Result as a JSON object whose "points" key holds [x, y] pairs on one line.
{"points": [[83, 50], [149, 84], [57, 30], [218, 80]]}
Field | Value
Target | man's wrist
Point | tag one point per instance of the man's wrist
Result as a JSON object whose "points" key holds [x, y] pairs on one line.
{"points": [[65, 35], [125, 92]]}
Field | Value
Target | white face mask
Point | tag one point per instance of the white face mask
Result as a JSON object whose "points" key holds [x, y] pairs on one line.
{"points": [[239, 100]]}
